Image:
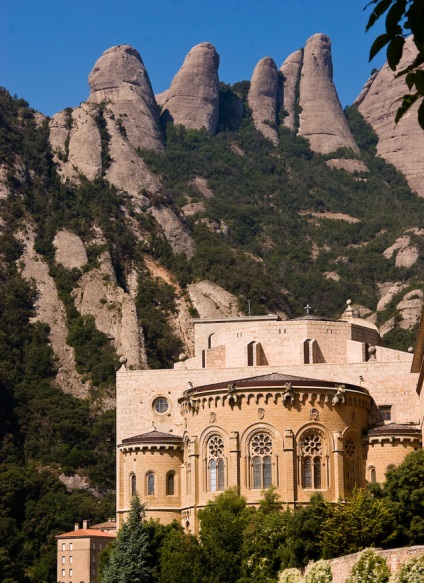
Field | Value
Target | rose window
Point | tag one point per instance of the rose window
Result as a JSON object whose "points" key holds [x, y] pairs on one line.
{"points": [[262, 444], [216, 447], [349, 447], [312, 445]]}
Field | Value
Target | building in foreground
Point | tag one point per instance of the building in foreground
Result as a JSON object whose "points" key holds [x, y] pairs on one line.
{"points": [[308, 405], [78, 551]]}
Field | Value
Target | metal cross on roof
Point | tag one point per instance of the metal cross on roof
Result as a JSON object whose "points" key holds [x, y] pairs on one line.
{"points": [[308, 308]]}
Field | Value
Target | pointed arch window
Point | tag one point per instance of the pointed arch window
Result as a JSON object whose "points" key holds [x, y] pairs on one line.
{"points": [[216, 464], [261, 465]]}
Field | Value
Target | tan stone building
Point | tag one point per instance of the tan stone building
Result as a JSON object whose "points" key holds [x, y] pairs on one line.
{"points": [[78, 552], [307, 405]]}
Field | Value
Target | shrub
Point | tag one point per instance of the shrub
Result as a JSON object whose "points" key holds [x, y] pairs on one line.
{"points": [[290, 576], [369, 567], [411, 572], [319, 572]]}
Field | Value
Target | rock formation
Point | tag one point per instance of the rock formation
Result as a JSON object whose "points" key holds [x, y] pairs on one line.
{"points": [[50, 310], [400, 144], [103, 136], [322, 120], [262, 98], [291, 69], [120, 80], [113, 310], [212, 301], [193, 98], [70, 250]]}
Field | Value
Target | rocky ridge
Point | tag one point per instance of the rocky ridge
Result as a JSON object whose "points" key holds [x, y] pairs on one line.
{"points": [[401, 144]]}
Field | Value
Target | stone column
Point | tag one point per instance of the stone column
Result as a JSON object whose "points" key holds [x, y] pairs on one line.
{"points": [[289, 493], [339, 490], [193, 456], [233, 475]]}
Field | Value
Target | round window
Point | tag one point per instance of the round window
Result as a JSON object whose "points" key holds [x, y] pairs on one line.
{"points": [[160, 405]]}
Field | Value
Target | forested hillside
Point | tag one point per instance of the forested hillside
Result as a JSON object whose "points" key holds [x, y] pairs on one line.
{"points": [[276, 226]]}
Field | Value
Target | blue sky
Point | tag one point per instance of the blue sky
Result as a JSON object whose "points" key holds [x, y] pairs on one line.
{"points": [[47, 48]]}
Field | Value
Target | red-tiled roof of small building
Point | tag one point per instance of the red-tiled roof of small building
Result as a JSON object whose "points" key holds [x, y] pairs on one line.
{"points": [[395, 429], [153, 437], [85, 532]]}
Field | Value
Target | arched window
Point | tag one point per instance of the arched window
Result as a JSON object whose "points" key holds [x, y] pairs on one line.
{"points": [[350, 464], [170, 484], [150, 478], [260, 454], [312, 459], [216, 465], [133, 485], [373, 475]]}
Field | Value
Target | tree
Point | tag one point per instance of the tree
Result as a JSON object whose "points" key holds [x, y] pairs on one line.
{"points": [[410, 572], [404, 488], [222, 523], [263, 536], [129, 559], [355, 524], [404, 17], [369, 567], [319, 572], [302, 533], [181, 559]]}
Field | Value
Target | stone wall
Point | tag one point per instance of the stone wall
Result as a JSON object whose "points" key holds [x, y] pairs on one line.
{"points": [[342, 566]]}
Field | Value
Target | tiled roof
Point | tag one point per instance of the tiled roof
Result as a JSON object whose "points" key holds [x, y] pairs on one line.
{"points": [[85, 532], [153, 436], [273, 380], [395, 429]]}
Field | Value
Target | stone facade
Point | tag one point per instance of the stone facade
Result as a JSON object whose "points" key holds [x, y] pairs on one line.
{"points": [[307, 405]]}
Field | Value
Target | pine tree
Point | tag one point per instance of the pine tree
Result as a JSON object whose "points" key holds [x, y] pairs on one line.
{"points": [[129, 559]]}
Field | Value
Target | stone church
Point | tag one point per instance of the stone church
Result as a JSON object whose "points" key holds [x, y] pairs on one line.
{"points": [[307, 405]]}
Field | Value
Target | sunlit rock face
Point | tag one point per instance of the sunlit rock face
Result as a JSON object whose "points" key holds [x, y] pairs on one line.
{"points": [[193, 98], [400, 144]]}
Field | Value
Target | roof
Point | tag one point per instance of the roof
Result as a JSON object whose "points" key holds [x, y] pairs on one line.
{"points": [[109, 525], [85, 532], [316, 318], [395, 429], [153, 436], [274, 380]]}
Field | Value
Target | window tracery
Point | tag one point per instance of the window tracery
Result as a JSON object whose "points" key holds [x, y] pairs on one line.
{"points": [[261, 447], [216, 465], [350, 464], [311, 446]]}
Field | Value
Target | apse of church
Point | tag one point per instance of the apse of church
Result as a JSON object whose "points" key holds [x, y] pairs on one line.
{"points": [[296, 404]]}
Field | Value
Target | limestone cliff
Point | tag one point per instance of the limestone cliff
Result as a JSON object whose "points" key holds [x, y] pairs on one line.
{"points": [[291, 69], [322, 120], [103, 137], [262, 98], [193, 98], [400, 144]]}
